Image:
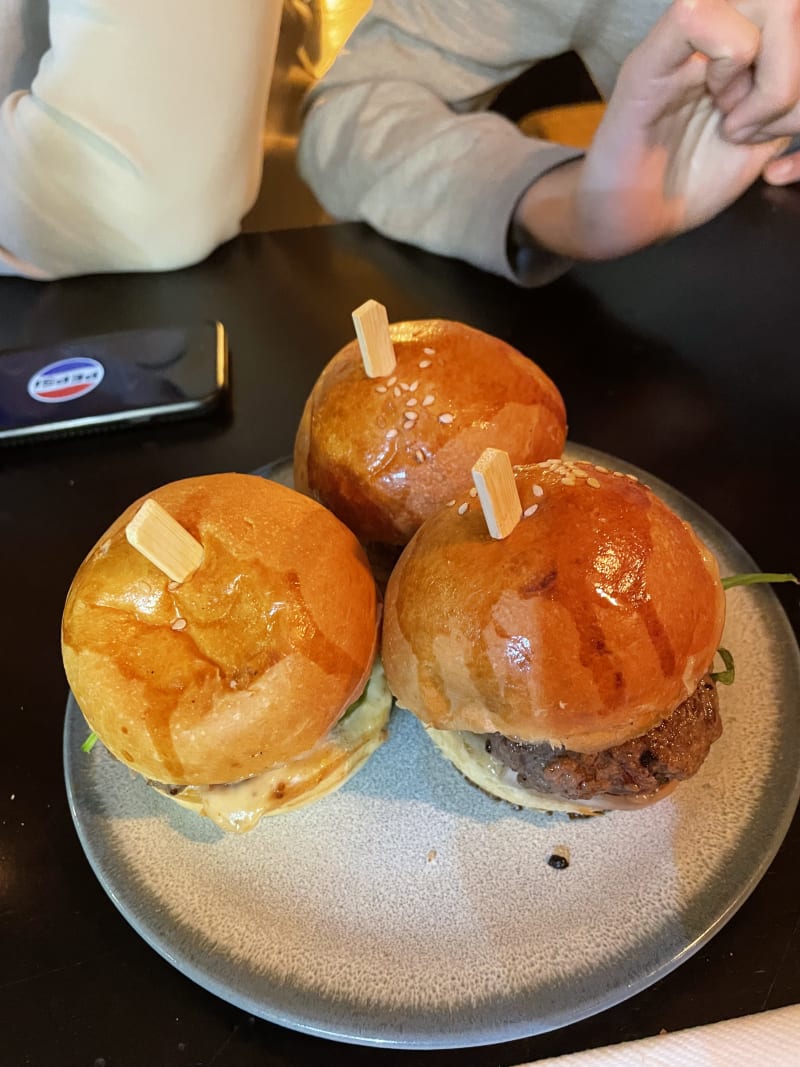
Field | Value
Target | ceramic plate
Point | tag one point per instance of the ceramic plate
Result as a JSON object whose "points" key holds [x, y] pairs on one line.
{"points": [[408, 909]]}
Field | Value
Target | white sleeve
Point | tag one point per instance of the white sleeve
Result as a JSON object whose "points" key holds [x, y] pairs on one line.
{"points": [[394, 136], [139, 145]]}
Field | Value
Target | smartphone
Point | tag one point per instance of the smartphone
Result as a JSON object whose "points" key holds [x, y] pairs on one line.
{"points": [[114, 379]]}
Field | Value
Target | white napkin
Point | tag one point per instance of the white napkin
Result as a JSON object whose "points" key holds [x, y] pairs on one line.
{"points": [[770, 1039]]}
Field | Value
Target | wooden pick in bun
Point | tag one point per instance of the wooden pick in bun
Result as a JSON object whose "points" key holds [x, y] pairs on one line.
{"points": [[385, 453], [228, 690], [566, 666]]}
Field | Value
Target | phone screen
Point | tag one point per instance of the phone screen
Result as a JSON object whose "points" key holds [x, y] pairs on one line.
{"points": [[123, 377]]}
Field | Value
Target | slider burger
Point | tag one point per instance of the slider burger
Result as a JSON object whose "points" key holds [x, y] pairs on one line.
{"points": [[384, 452], [248, 686], [566, 666]]}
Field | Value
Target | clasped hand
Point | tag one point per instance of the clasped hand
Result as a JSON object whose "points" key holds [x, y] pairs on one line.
{"points": [[702, 107]]}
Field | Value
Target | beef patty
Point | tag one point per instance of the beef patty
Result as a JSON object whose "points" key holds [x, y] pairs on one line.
{"points": [[674, 750]]}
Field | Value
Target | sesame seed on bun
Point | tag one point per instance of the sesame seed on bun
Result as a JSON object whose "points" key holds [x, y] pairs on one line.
{"points": [[385, 453]]}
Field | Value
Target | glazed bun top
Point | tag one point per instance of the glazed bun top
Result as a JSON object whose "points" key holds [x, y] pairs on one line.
{"points": [[243, 666], [585, 627], [384, 453]]}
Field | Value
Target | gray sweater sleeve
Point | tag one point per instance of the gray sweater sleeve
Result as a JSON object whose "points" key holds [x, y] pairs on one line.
{"points": [[395, 135]]}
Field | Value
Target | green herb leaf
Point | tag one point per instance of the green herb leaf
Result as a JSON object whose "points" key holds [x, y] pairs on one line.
{"points": [[727, 676], [90, 742], [356, 704], [757, 579]]}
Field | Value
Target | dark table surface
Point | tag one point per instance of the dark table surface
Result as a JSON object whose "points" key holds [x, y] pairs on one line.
{"points": [[682, 359]]}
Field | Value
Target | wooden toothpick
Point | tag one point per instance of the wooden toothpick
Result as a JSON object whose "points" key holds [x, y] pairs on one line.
{"points": [[497, 491], [372, 330], [161, 539]]}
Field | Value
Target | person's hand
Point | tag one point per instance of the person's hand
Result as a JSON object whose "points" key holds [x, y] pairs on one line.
{"points": [[701, 108], [764, 103]]}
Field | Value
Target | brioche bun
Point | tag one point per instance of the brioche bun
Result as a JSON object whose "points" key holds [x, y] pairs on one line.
{"points": [[357, 453], [584, 628], [246, 665]]}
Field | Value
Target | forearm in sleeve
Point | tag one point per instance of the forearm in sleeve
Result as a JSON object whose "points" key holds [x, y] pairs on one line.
{"points": [[139, 145], [396, 136], [394, 155]]}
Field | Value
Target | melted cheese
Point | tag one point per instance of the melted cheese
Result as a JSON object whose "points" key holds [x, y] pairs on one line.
{"points": [[239, 806]]}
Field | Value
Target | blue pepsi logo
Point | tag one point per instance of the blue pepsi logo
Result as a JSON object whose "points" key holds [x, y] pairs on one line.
{"points": [[66, 379]]}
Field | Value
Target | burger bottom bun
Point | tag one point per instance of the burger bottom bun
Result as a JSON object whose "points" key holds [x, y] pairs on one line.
{"points": [[239, 806], [466, 751]]}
